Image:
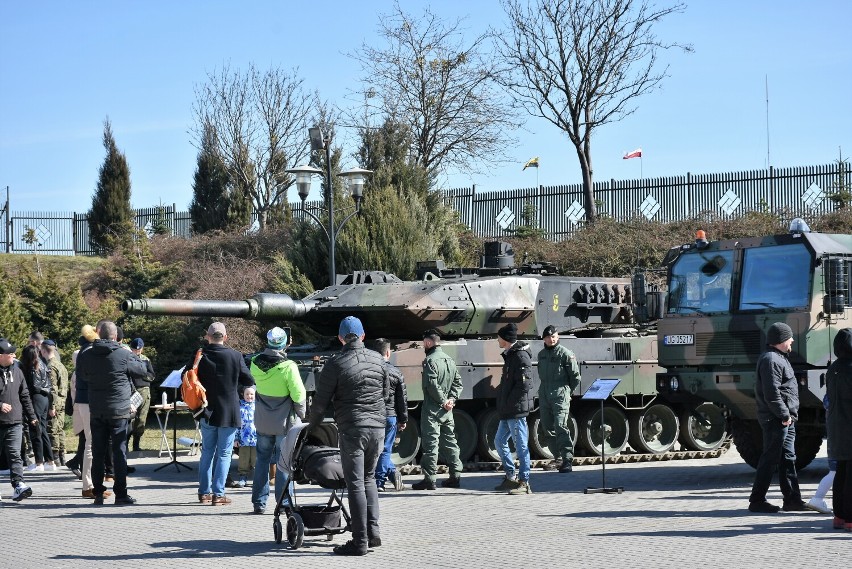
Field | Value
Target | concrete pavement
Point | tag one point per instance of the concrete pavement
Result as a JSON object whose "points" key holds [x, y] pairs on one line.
{"points": [[689, 513]]}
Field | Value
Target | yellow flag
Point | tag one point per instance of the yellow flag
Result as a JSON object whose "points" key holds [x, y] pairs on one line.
{"points": [[531, 163]]}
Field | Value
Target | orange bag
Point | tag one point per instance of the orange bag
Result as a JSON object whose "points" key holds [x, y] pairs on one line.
{"points": [[191, 390]]}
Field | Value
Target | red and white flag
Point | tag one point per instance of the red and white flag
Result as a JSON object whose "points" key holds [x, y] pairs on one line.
{"points": [[635, 154]]}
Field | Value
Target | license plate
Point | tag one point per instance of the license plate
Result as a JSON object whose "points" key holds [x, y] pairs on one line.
{"points": [[679, 340]]}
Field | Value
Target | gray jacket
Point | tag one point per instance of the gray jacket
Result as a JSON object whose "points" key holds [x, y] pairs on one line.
{"points": [[776, 390]]}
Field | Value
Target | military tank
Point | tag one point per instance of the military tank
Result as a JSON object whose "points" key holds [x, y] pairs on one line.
{"points": [[596, 318], [722, 298]]}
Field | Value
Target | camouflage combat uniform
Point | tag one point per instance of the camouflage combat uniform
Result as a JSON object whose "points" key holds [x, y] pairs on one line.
{"points": [[59, 393], [560, 375], [441, 381]]}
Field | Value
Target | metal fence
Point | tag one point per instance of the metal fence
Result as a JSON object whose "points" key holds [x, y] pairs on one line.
{"points": [[559, 210]]}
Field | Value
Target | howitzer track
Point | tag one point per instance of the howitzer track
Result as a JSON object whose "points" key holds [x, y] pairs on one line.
{"points": [[623, 458]]}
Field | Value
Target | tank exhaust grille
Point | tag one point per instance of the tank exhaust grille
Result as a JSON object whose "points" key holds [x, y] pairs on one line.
{"points": [[728, 344], [622, 351]]}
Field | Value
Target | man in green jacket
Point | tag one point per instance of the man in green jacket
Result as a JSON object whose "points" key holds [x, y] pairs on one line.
{"points": [[560, 376], [441, 387], [58, 393]]}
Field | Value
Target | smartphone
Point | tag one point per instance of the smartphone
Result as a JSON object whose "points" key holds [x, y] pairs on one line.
{"points": [[289, 335]]}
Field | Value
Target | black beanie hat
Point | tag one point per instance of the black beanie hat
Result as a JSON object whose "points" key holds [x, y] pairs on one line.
{"points": [[509, 332], [778, 333]]}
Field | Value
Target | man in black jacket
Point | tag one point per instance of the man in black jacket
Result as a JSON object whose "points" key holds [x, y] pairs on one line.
{"points": [[396, 417], [221, 371], [356, 381], [14, 405], [514, 402], [109, 371]]}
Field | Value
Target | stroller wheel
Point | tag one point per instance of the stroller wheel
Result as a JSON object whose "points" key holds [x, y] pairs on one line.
{"points": [[295, 531], [277, 530]]}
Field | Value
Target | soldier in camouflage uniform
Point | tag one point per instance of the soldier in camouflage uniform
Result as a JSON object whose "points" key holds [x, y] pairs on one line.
{"points": [[560, 375], [59, 393], [441, 387], [143, 387]]}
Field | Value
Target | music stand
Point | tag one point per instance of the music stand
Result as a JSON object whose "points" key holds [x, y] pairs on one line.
{"points": [[173, 380], [601, 389]]}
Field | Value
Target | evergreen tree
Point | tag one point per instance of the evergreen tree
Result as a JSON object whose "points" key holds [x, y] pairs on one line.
{"points": [[53, 306], [111, 219], [13, 325], [217, 204]]}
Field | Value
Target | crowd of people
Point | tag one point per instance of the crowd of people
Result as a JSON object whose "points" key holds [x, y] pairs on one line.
{"points": [[251, 405]]}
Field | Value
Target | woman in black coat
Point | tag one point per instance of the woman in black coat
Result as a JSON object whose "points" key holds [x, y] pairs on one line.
{"points": [[38, 383]]}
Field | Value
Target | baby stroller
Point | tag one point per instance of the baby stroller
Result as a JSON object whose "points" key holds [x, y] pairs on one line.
{"points": [[304, 459]]}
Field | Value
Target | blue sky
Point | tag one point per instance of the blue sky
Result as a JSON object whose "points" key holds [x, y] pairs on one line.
{"points": [[66, 66]]}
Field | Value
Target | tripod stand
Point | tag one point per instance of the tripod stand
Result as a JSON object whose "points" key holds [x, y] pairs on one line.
{"points": [[178, 464]]}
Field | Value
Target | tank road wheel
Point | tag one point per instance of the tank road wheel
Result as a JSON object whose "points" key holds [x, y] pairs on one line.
{"points": [[277, 530], [466, 434], [748, 438], [295, 531], [487, 422], [539, 439], [616, 431], [407, 443], [703, 427], [653, 430]]}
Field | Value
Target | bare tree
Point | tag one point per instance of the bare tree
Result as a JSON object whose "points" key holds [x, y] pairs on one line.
{"points": [[260, 120], [442, 87], [581, 64]]}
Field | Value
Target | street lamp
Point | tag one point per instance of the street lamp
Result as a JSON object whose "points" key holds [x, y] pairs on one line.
{"points": [[354, 180]]}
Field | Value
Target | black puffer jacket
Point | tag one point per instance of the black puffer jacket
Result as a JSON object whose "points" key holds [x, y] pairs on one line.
{"points": [[13, 390], [396, 405], [356, 381], [776, 391], [109, 369], [514, 394], [838, 386]]}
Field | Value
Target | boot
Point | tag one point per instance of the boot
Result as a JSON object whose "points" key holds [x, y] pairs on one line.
{"points": [[523, 488], [451, 482], [424, 484]]}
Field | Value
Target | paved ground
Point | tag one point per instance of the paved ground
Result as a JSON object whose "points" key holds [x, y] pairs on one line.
{"points": [[671, 514]]}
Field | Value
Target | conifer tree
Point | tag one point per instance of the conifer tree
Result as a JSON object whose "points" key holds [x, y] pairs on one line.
{"points": [[13, 325], [217, 204], [111, 219]]}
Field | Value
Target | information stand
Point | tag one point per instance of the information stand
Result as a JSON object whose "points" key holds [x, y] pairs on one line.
{"points": [[173, 380], [601, 389]]}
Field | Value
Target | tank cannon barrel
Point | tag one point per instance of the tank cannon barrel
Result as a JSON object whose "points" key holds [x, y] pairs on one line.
{"points": [[260, 306]]}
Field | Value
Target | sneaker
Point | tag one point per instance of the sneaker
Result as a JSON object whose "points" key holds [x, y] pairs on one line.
{"points": [[838, 523], [380, 488], [818, 506], [259, 509], [424, 484], [242, 482], [507, 484], [763, 508], [72, 464], [451, 482], [124, 500], [566, 468], [799, 506], [374, 542], [21, 491], [35, 468], [221, 501], [523, 488], [350, 548], [49, 467], [396, 480], [78, 473], [205, 498]]}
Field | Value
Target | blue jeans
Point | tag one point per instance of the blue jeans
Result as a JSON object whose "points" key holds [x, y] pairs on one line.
{"points": [[778, 451], [268, 450], [517, 429], [385, 464], [217, 448]]}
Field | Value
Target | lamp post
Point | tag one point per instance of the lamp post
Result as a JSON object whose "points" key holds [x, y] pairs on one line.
{"points": [[354, 179]]}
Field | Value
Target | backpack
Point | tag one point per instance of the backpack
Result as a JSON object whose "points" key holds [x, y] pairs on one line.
{"points": [[191, 390]]}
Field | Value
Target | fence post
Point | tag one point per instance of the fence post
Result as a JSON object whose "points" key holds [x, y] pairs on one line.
{"points": [[8, 224]]}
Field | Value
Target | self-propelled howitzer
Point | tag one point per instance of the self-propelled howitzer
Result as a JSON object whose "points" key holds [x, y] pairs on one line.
{"points": [[595, 317]]}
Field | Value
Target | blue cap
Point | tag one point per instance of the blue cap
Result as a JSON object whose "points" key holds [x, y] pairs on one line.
{"points": [[49, 342], [276, 338], [351, 325], [136, 344]]}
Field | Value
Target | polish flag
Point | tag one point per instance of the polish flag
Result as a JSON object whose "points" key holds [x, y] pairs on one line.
{"points": [[635, 154]]}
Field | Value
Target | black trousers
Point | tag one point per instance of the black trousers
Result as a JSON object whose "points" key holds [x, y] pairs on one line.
{"points": [[102, 429], [842, 491]]}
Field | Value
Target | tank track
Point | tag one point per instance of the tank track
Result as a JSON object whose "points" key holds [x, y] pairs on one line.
{"points": [[622, 458]]}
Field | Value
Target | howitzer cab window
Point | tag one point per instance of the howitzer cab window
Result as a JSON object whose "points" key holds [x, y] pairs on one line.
{"points": [[701, 283], [776, 277]]}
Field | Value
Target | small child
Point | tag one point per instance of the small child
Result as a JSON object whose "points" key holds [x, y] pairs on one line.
{"points": [[247, 437]]}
